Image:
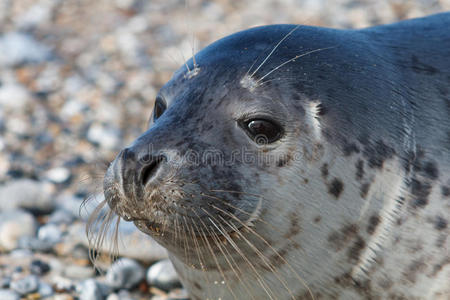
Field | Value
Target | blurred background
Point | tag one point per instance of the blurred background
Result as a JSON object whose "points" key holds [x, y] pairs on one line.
{"points": [[77, 83]]}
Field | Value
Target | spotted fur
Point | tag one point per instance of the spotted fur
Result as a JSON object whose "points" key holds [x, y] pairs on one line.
{"points": [[353, 202]]}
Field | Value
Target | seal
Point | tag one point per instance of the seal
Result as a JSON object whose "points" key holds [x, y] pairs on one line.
{"points": [[297, 162]]}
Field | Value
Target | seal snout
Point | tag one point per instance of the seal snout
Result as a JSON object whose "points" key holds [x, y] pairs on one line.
{"points": [[130, 177], [134, 172]]}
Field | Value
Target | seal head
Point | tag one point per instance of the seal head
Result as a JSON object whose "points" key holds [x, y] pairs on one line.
{"points": [[291, 162]]}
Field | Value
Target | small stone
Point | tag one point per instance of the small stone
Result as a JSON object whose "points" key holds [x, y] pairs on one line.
{"points": [[21, 254], [71, 204], [26, 285], [113, 296], [163, 275], [124, 273], [19, 48], [131, 245], [125, 295], [90, 290], [58, 175], [62, 284], [79, 272], [61, 216], [45, 290], [38, 267], [126, 4], [15, 225], [106, 137], [62, 297], [178, 294], [9, 295], [5, 282], [50, 233], [27, 194], [35, 244], [14, 96]]}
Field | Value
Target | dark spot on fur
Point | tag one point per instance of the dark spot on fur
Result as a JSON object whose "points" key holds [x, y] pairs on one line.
{"points": [[431, 170], [295, 226], [324, 170], [350, 148], [359, 169], [415, 267], [197, 286], [445, 191], [374, 220], [276, 259], [364, 189], [284, 160], [438, 267], [440, 223], [336, 187], [422, 68], [420, 191], [354, 252], [377, 153], [317, 219], [338, 239]]}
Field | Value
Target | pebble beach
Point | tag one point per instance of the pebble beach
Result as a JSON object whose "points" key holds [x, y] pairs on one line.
{"points": [[78, 81]]}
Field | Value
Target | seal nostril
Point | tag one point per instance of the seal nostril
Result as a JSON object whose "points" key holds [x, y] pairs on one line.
{"points": [[150, 169]]}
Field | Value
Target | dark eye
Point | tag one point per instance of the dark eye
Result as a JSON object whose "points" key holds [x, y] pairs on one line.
{"points": [[262, 131], [160, 107]]}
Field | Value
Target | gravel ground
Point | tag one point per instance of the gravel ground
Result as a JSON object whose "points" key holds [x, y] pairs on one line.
{"points": [[77, 83]]}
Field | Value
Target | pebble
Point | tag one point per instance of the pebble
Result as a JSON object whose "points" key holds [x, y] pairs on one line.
{"points": [[35, 244], [14, 96], [15, 225], [78, 272], [124, 273], [9, 295], [132, 241], [38, 267], [19, 48], [28, 194], [107, 137], [71, 204], [58, 175], [178, 294], [62, 284], [50, 233], [163, 275], [45, 290], [61, 216], [26, 285], [90, 290], [21, 254], [4, 282]]}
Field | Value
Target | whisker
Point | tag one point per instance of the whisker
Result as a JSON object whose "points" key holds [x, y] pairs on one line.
{"points": [[251, 215], [260, 254], [205, 240], [233, 244], [275, 48], [268, 245], [291, 60], [197, 250]]}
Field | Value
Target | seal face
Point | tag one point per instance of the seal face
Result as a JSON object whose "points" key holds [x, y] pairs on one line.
{"points": [[291, 162]]}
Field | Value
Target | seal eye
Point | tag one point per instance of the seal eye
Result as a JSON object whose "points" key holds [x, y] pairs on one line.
{"points": [[160, 107], [263, 131]]}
